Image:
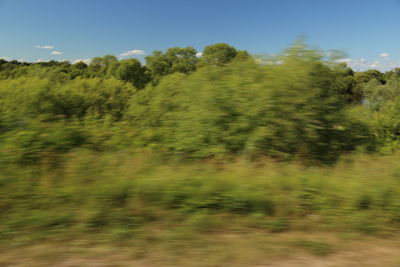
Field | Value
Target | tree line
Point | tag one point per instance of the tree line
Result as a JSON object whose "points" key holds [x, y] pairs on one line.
{"points": [[221, 104]]}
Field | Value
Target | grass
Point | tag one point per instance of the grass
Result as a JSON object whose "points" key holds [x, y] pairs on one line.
{"points": [[244, 249], [171, 212]]}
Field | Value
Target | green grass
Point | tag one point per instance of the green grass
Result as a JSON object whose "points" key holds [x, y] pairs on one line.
{"points": [[117, 196], [172, 211]]}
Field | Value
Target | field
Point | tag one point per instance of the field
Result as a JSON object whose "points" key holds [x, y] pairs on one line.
{"points": [[212, 160], [123, 209]]}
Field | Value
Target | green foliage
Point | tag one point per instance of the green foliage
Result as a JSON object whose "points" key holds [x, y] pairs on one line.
{"points": [[41, 120], [96, 97], [182, 60], [218, 54], [383, 110], [37, 141], [131, 70], [392, 74], [295, 109], [78, 98], [362, 79], [92, 192], [103, 148], [103, 66], [345, 81]]}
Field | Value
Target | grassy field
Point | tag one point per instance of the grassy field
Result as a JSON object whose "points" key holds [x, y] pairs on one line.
{"points": [[254, 248], [136, 208]]}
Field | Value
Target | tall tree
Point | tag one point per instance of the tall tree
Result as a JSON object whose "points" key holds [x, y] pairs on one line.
{"points": [[131, 70], [182, 60], [175, 59], [362, 79], [218, 54], [103, 66]]}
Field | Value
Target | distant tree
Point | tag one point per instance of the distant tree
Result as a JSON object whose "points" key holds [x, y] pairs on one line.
{"points": [[103, 61], [103, 66], [182, 60], [291, 110], [362, 79], [158, 64], [79, 69], [175, 59], [383, 106], [392, 74], [131, 70], [242, 55], [80, 65], [345, 81], [218, 54]]}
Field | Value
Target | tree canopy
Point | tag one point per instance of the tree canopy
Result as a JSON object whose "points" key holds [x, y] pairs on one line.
{"points": [[220, 103]]}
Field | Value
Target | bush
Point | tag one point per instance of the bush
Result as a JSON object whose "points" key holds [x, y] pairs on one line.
{"points": [[292, 110]]}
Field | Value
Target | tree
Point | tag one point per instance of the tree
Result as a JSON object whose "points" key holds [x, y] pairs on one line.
{"points": [[291, 110], [80, 65], [103, 66], [158, 64], [2, 61], [362, 79], [131, 70], [176, 59], [383, 111], [182, 60], [218, 54], [393, 73], [345, 81]]}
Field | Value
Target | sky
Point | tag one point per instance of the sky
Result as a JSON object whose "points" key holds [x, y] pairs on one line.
{"points": [[367, 31]]}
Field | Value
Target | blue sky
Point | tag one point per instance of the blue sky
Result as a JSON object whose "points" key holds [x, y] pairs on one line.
{"points": [[367, 30]]}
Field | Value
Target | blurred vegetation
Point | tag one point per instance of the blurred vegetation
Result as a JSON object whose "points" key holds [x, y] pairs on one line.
{"points": [[217, 142], [118, 196]]}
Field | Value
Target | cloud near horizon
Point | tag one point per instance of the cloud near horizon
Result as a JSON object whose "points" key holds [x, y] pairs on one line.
{"points": [[86, 61], [134, 52], [382, 63], [56, 53], [45, 46]]}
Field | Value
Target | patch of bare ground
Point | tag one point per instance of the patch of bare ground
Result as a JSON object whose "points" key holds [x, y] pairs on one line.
{"points": [[245, 249], [383, 253]]}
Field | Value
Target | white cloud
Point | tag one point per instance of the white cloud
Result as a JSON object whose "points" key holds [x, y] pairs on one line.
{"points": [[40, 60], [6, 58], [383, 63], [45, 46], [199, 54], [134, 52], [56, 53], [87, 60], [345, 60]]}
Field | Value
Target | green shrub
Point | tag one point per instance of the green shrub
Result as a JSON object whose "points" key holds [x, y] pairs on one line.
{"points": [[292, 110]]}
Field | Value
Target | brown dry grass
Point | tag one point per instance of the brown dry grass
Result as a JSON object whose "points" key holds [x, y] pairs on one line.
{"points": [[241, 249]]}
